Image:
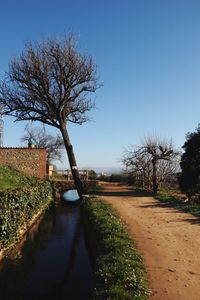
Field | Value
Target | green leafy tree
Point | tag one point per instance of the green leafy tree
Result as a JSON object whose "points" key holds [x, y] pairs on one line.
{"points": [[92, 175], [189, 178]]}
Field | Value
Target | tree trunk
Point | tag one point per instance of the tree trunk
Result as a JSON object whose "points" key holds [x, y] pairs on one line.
{"points": [[143, 181], [72, 160], [154, 177]]}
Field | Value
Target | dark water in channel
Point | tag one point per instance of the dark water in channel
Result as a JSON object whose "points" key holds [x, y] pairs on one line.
{"points": [[53, 262]]}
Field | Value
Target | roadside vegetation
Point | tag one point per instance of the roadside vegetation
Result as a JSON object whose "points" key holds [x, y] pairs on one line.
{"points": [[95, 190], [118, 177], [189, 178], [191, 207], [119, 269], [21, 198]]}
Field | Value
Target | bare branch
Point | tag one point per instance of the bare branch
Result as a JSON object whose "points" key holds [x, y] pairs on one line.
{"points": [[153, 161], [50, 82]]}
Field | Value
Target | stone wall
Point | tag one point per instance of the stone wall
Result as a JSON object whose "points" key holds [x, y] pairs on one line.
{"points": [[28, 160]]}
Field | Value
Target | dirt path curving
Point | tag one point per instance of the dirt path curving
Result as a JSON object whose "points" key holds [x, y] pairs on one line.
{"points": [[169, 241]]}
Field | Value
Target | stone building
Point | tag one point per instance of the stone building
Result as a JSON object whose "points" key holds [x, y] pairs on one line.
{"points": [[28, 160]]}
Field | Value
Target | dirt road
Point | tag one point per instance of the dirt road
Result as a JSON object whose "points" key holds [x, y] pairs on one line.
{"points": [[169, 241]]}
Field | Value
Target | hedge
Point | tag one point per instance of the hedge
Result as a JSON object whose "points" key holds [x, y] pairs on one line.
{"points": [[118, 268], [18, 206]]}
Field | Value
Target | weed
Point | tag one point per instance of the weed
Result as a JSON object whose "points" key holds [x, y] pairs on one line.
{"points": [[119, 270]]}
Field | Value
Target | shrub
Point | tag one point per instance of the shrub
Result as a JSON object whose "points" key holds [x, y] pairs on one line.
{"points": [[18, 206], [119, 271], [189, 178], [121, 177]]}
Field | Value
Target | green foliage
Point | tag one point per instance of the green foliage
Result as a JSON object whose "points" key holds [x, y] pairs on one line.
{"points": [[189, 178], [92, 175], [119, 271], [188, 207], [18, 206], [167, 198], [118, 177], [93, 190]]}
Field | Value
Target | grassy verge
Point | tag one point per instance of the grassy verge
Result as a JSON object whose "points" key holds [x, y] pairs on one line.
{"points": [[192, 208], [119, 270], [94, 190], [174, 199]]}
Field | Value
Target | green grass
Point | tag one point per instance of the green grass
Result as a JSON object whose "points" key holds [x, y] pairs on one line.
{"points": [[12, 179], [95, 190], [192, 208], [119, 269]]}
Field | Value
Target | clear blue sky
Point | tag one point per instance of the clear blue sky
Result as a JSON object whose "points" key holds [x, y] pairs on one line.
{"points": [[148, 57]]}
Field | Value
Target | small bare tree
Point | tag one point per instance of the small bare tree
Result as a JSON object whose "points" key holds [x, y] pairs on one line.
{"points": [[167, 171], [43, 139], [139, 165], [154, 160], [50, 83]]}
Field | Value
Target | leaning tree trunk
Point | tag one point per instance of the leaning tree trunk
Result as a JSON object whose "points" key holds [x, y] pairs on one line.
{"points": [[154, 177], [72, 160]]}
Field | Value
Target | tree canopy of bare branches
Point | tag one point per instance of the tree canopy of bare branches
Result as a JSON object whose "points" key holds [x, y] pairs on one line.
{"points": [[153, 161], [50, 83], [53, 144]]}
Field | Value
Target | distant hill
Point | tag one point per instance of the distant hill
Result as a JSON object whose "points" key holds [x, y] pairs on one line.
{"points": [[106, 170]]}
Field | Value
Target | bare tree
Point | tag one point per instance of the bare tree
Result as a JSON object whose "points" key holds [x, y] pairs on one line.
{"points": [[53, 145], [138, 164], [167, 171], [153, 161], [50, 82]]}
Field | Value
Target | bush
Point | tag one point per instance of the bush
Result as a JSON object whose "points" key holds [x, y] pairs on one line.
{"points": [[18, 206], [119, 271], [121, 178], [189, 178]]}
